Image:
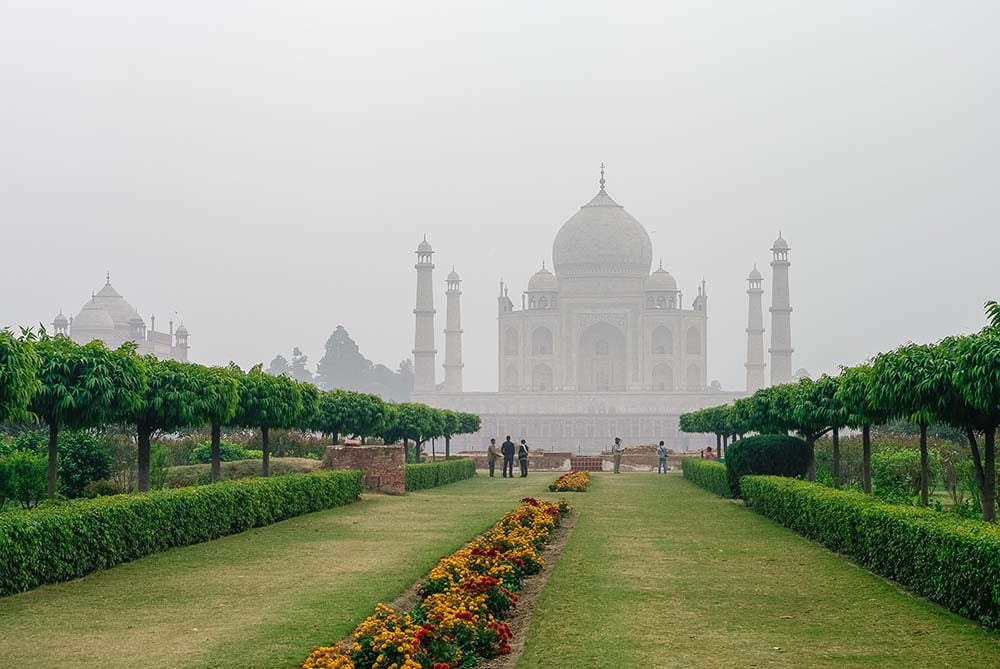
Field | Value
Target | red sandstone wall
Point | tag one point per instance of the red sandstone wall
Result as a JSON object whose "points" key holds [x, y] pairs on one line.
{"points": [[384, 466]]}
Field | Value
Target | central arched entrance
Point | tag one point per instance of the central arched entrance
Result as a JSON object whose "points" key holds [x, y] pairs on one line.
{"points": [[601, 364]]}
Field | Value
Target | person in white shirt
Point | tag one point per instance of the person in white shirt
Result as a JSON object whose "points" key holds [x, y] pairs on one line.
{"points": [[661, 455], [616, 452]]}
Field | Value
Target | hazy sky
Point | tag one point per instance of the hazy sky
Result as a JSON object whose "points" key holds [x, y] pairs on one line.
{"points": [[267, 169]]}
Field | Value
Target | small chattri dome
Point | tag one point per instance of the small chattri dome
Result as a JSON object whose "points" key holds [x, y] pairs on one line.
{"points": [[425, 246], [60, 320], [755, 274], [543, 281], [453, 276], [780, 244], [661, 279], [182, 331]]}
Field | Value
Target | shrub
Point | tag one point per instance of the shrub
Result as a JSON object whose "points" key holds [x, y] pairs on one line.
{"points": [[188, 475], [69, 540], [83, 457], [768, 454], [432, 474], [27, 479], [947, 559], [101, 488], [896, 473], [708, 474], [228, 452]]}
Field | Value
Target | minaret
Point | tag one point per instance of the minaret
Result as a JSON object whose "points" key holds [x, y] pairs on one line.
{"points": [[755, 333], [453, 336], [781, 315], [423, 343]]}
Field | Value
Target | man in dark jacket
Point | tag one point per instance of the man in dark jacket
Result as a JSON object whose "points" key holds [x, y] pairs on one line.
{"points": [[507, 449]]}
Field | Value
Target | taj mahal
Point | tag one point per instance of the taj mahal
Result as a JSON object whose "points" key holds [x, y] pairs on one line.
{"points": [[601, 346], [108, 317]]}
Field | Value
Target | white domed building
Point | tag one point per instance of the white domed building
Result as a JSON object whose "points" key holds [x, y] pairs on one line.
{"points": [[108, 317], [602, 346]]}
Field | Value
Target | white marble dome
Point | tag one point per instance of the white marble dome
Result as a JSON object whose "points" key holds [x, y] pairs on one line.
{"points": [[602, 239], [93, 319], [661, 279], [543, 281], [109, 300]]}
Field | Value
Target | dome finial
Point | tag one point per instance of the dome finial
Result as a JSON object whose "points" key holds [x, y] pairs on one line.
{"points": [[661, 263], [543, 263], [107, 278], [602, 177]]}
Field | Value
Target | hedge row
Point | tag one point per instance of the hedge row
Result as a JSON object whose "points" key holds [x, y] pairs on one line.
{"points": [[708, 474], [70, 540], [951, 561], [432, 474]]}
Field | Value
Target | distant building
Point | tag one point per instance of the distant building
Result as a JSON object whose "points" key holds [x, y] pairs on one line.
{"points": [[107, 317], [600, 348]]}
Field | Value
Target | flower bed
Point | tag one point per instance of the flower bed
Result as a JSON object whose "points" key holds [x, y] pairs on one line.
{"points": [[464, 600], [572, 482]]}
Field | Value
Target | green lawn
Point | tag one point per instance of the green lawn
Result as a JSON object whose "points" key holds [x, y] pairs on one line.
{"points": [[263, 598], [659, 573]]}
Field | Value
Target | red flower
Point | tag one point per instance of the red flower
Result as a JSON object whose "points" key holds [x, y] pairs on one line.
{"points": [[463, 615]]}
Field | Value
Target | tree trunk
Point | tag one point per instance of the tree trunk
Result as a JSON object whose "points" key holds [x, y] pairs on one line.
{"points": [[216, 452], [836, 457], [143, 435], [406, 450], [924, 494], [866, 465], [53, 458], [990, 475], [434, 450], [265, 444], [725, 444], [977, 459], [447, 447], [718, 442], [811, 470]]}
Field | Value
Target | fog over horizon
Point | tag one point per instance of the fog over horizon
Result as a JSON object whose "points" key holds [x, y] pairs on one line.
{"points": [[266, 170]]}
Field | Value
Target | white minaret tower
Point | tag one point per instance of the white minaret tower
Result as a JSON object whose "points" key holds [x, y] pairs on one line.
{"points": [[755, 333], [453, 336], [423, 343], [781, 315]]}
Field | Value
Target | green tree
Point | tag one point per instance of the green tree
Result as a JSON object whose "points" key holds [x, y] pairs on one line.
{"points": [[297, 369], [172, 399], [83, 387], [907, 383], [855, 394], [342, 365], [279, 366], [268, 402], [220, 397], [993, 313], [19, 364], [976, 377]]}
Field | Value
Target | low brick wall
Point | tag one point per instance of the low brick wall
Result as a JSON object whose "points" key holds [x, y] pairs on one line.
{"points": [[384, 466], [543, 462]]}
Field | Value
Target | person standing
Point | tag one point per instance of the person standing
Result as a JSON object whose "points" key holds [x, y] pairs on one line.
{"points": [[522, 458], [616, 453], [492, 455], [661, 457], [507, 449]]}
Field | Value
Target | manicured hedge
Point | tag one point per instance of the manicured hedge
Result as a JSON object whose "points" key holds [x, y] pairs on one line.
{"points": [[70, 540], [708, 474], [766, 454], [951, 561], [432, 474]]}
